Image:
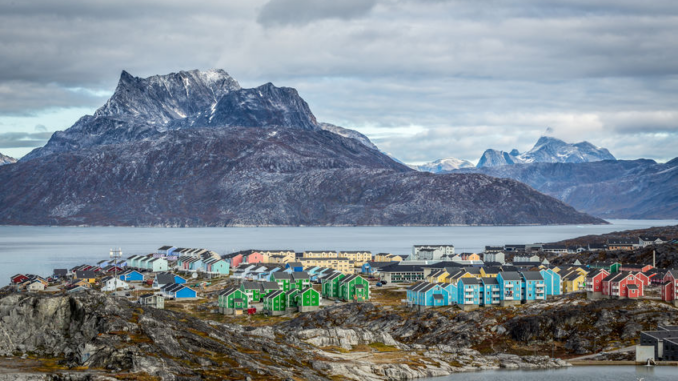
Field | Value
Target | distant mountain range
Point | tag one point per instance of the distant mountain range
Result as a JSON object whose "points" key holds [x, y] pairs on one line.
{"points": [[195, 149], [634, 189], [547, 150], [6, 159], [443, 165]]}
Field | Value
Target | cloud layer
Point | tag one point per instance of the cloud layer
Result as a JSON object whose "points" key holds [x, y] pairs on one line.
{"points": [[426, 79]]}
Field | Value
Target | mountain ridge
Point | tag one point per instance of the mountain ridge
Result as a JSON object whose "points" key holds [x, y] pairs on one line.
{"points": [[546, 150], [252, 157]]}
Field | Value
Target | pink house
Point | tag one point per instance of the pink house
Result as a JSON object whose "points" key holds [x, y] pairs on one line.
{"points": [[669, 288], [253, 257], [233, 259]]}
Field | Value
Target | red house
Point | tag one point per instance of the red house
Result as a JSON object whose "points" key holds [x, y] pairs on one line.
{"points": [[18, 278], [594, 280], [644, 278], [637, 268], [616, 285], [669, 288], [233, 259]]}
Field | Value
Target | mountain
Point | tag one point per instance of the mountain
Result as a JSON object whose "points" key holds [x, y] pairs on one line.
{"points": [[352, 134], [442, 165], [6, 159], [151, 156], [633, 189], [547, 150]]}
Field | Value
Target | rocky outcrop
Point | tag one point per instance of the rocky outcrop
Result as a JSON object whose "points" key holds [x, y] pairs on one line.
{"points": [[6, 160]]}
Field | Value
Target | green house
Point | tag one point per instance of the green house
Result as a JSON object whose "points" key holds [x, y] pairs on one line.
{"points": [[308, 299], [283, 279], [253, 291], [609, 266], [330, 285], [232, 299], [301, 280], [267, 288], [291, 297], [354, 288], [275, 303]]}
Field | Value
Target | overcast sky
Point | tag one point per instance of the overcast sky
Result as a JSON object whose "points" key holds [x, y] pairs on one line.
{"points": [[424, 79]]}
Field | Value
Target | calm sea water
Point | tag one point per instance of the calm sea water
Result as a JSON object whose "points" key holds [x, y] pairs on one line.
{"points": [[579, 373], [39, 250]]}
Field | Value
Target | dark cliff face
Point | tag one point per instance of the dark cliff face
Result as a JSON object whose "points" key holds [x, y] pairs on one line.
{"points": [[194, 149], [608, 189]]}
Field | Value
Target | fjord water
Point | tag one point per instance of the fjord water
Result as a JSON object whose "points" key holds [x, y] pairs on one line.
{"points": [[580, 373], [39, 250]]}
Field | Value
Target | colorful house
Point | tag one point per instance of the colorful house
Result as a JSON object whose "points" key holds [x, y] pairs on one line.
{"points": [[573, 281], [215, 266], [232, 300], [617, 286], [283, 279], [437, 276], [330, 285], [308, 299], [432, 295], [111, 284], [453, 293], [354, 288], [18, 278], [611, 267], [88, 275], [253, 257], [489, 271], [294, 266], [552, 281], [468, 292], [635, 268], [594, 283], [291, 297], [252, 290], [234, 259], [275, 303], [510, 286], [490, 291], [300, 280], [532, 287]]}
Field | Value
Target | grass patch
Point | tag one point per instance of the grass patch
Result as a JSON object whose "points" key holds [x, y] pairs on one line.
{"points": [[381, 347]]}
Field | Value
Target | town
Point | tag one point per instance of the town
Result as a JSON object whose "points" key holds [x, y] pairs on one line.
{"points": [[275, 282]]}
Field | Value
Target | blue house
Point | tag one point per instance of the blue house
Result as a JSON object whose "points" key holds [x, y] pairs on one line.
{"points": [[510, 286], [490, 291], [294, 266], [434, 295], [452, 291], [468, 291], [413, 292], [178, 291], [552, 282], [132, 276], [532, 286]]}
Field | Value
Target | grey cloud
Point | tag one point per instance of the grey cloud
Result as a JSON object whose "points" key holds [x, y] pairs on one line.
{"points": [[24, 139], [25, 98], [40, 128], [301, 12]]}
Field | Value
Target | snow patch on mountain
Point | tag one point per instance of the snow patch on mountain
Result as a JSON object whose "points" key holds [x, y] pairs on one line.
{"points": [[547, 150], [6, 160], [443, 165]]}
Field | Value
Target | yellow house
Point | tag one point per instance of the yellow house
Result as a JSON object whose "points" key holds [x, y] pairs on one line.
{"points": [[320, 254], [387, 257], [455, 275], [470, 256], [438, 276], [489, 272], [343, 265], [574, 281], [278, 256], [359, 258]]}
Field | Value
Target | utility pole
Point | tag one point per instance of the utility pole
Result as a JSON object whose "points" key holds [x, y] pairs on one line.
{"points": [[654, 262], [115, 254]]}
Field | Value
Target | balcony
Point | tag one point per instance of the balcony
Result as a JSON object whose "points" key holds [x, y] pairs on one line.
{"points": [[510, 285]]}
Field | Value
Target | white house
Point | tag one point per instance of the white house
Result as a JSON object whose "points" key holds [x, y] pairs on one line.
{"points": [[110, 283]]}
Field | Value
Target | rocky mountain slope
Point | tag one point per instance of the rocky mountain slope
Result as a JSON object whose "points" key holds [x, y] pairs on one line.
{"points": [[443, 165], [547, 150], [635, 189], [92, 335], [6, 160], [195, 149]]}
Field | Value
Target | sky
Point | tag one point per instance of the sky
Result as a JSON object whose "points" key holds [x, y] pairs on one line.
{"points": [[424, 79]]}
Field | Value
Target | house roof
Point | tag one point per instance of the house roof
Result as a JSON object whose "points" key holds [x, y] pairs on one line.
{"points": [[532, 275], [251, 285], [85, 274], [269, 286], [622, 241], [489, 280], [274, 294], [60, 272], [510, 275], [468, 281], [295, 264], [300, 275], [228, 291], [397, 267], [278, 275], [165, 247], [164, 278]]}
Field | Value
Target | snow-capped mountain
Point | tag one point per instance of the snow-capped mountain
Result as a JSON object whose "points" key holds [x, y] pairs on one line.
{"points": [[352, 134], [6, 160], [443, 165], [195, 149], [547, 150]]}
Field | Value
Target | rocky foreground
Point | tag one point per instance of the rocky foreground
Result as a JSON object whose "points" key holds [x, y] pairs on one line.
{"points": [[92, 336]]}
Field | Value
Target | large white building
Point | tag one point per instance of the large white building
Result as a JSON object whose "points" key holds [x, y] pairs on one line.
{"points": [[431, 252]]}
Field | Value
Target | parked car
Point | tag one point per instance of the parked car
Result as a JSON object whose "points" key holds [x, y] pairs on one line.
{"points": [[383, 282], [378, 284]]}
